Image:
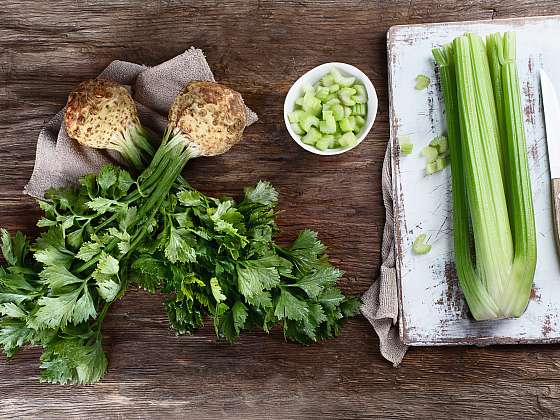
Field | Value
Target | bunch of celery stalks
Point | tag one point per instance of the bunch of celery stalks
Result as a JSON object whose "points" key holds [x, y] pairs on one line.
{"points": [[493, 216], [211, 257]]}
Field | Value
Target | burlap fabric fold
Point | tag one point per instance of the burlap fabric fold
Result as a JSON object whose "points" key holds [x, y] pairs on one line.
{"points": [[380, 304]]}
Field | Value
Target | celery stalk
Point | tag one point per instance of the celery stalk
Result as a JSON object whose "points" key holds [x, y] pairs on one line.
{"points": [[485, 163], [519, 186]]}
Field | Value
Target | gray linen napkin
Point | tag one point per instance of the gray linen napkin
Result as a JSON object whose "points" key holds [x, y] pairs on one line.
{"points": [[380, 303], [60, 161]]}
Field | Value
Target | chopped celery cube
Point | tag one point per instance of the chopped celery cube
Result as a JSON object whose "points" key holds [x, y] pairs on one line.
{"points": [[312, 136], [347, 140], [360, 99], [325, 107], [299, 101], [360, 121], [334, 88], [347, 91], [297, 128], [360, 90], [333, 101], [440, 143], [422, 82], [347, 124], [405, 145], [341, 80], [346, 95], [309, 100], [325, 142], [331, 97], [308, 89], [327, 80], [347, 111], [441, 163], [322, 93], [359, 109], [295, 116], [406, 148], [338, 112], [419, 246], [327, 113], [430, 153], [431, 168], [309, 121], [328, 126]]}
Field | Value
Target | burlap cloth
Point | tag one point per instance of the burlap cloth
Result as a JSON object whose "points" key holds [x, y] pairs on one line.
{"points": [[380, 304], [60, 161]]}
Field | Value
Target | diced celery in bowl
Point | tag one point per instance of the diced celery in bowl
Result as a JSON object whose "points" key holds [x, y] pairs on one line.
{"points": [[327, 111]]}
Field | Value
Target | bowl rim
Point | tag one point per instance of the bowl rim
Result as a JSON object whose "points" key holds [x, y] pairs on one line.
{"points": [[372, 105]]}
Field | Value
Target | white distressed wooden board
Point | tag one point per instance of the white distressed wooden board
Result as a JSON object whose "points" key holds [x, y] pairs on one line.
{"points": [[433, 311]]}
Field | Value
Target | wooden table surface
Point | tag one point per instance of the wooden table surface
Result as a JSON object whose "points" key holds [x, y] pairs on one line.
{"points": [[259, 48]]}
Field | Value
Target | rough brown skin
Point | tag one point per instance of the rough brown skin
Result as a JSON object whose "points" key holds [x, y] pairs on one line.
{"points": [[211, 115], [98, 112]]}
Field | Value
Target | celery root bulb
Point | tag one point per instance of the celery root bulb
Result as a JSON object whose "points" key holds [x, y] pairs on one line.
{"points": [[211, 117]]}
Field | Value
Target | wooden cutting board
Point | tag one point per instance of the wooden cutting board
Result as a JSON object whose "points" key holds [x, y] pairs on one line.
{"points": [[433, 311]]}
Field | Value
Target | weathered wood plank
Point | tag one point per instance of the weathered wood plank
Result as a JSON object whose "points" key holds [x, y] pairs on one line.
{"points": [[260, 48]]}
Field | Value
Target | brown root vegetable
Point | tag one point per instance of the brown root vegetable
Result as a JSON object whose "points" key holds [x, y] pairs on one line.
{"points": [[211, 116], [102, 114]]}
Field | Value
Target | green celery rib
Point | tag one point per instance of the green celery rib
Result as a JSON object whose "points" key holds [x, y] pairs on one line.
{"points": [[483, 178], [519, 185], [490, 174], [480, 303]]}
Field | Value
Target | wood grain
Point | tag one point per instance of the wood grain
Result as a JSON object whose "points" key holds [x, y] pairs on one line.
{"points": [[259, 48]]}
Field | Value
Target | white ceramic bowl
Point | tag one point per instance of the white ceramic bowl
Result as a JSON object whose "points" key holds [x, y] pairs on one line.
{"points": [[313, 76]]}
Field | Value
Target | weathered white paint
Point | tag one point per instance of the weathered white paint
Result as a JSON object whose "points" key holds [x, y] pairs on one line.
{"points": [[432, 309]]}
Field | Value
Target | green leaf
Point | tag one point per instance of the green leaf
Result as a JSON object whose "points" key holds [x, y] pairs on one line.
{"points": [[308, 241], [314, 282], [88, 181], [189, 198], [108, 289], [55, 312], [350, 307], [263, 193], [65, 222], [44, 222], [50, 248], [58, 277], [254, 278], [84, 308], [101, 204], [14, 334], [73, 361], [331, 297], [53, 256], [127, 216], [125, 181], [75, 238], [260, 300], [239, 311], [180, 246], [88, 250], [217, 290], [150, 272], [290, 307], [48, 208], [11, 310], [107, 177], [7, 250], [107, 265]]}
